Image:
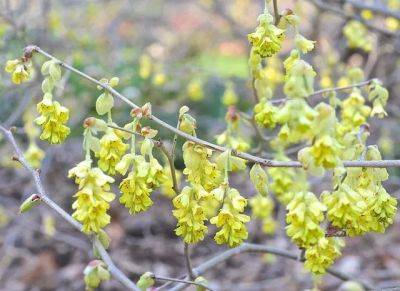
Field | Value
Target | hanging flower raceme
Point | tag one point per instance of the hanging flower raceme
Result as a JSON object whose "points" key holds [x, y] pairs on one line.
{"points": [[354, 112], [199, 169], [112, 148], [379, 96], [21, 70], [357, 35], [230, 219], [93, 197], [323, 254], [230, 97], [52, 119], [267, 39], [305, 213], [296, 118], [145, 176], [190, 213], [299, 79], [265, 114], [325, 151], [53, 116]]}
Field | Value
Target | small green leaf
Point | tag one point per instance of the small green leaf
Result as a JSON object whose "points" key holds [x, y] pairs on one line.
{"points": [[146, 281], [29, 203], [259, 179], [55, 72], [104, 103], [47, 85]]}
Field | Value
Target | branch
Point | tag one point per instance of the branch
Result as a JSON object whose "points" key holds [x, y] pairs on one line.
{"points": [[160, 278], [246, 156], [188, 262], [257, 248], [340, 12], [276, 12], [121, 277], [379, 9]]}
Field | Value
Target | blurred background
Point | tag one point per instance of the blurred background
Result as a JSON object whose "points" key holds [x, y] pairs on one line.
{"points": [[173, 53]]}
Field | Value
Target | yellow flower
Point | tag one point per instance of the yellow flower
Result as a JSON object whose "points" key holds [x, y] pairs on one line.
{"points": [[52, 119], [357, 35], [111, 151], [267, 38], [265, 114], [323, 254], [135, 193], [145, 66], [93, 197], [20, 70], [231, 220], [299, 80], [140, 183], [305, 213], [345, 209], [199, 169], [323, 154], [230, 97], [190, 213], [195, 90]]}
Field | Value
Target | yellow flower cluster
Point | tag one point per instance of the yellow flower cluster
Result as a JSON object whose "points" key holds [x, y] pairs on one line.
{"points": [[190, 213], [305, 213], [296, 118], [325, 150], [323, 254], [112, 148], [354, 112], [231, 220], [265, 114], [195, 90], [52, 119], [267, 38], [357, 35], [53, 116], [379, 96], [299, 79], [144, 177], [93, 198], [21, 70], [360, 203], [199, 169]]}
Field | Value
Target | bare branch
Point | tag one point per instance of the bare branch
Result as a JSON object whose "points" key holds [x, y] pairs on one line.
{"points": [[324, 6], [160, 278], [257, 248]]}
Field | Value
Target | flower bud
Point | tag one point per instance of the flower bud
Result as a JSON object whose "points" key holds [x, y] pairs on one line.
{"points": [[29, 203]]}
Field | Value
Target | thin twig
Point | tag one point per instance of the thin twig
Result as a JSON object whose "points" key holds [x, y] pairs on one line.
{"points": [[257, 248], [276, 12], [175, 185], [121, 277], [188, 262], [160, 278], [322, 5], [246, 156]]}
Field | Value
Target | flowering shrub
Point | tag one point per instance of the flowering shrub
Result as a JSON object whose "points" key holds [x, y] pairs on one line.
{"points": [[331, 132]]}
